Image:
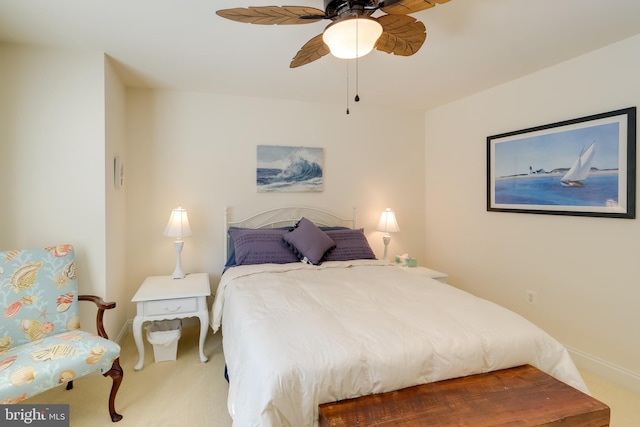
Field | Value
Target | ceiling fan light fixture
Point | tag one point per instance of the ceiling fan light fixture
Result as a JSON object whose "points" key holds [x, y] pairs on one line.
{"points": [[352, 37]]}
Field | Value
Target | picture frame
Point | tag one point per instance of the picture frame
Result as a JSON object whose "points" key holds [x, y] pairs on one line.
{"points": [[582, 167], [285, 169]]}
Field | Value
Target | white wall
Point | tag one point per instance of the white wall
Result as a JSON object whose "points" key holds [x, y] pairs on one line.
{"points": [[52, 169], [116, 221], [199, 150], [585, 270]]}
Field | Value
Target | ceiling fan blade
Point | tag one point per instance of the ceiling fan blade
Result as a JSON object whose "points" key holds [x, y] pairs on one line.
{"points": [[273, 15], [386, 3], [405, 7], [401, 35], [312, 50]]}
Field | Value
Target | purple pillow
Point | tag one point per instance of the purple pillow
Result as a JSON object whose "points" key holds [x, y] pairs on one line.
{"points": [[260, 246], [308, 242], [350, 244]]}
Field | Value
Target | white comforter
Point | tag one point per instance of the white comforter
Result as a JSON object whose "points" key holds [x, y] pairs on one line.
{"points": [[295, 336]]}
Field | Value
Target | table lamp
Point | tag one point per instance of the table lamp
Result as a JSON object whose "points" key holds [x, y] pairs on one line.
{"points": [[387, 224], [178, 227]]}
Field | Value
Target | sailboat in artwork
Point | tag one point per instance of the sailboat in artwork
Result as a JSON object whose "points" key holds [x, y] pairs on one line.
{"points": [[580, 168]]}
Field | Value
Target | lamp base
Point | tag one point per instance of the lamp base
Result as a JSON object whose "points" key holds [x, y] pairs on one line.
{"points": [[386, 239], [178, 273]]}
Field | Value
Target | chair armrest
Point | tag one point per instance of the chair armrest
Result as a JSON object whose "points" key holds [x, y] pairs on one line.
{"points": [[102, 306]]}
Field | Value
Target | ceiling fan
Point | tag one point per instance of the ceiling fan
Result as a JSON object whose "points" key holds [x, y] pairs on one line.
{"points": [[397, 33]]}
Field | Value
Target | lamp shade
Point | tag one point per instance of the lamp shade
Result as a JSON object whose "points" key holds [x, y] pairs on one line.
{"points": [[388, 223], [352, 37], [178, 225]]}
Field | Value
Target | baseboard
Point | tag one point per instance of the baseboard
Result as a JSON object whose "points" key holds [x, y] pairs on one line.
{"points": [[126, 330], [616, 374]]}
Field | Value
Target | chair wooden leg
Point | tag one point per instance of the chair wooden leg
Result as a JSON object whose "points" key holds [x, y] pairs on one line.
{"points": [[116, 374]]}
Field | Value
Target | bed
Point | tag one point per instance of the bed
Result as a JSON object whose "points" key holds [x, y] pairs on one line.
{"points": [[298, 334]]}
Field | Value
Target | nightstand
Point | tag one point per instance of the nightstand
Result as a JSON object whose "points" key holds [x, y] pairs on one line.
{"points": [[439, 276], [164, 298]]}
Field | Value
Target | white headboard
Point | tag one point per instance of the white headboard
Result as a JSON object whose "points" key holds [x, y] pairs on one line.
{"points": [[283, 217]]}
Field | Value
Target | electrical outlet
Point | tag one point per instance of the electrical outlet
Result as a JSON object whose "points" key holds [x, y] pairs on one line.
{"points": [[532, 297]]}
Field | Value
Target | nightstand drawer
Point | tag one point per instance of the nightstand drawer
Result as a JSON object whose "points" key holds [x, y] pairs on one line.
{"points": [[173, 306]]}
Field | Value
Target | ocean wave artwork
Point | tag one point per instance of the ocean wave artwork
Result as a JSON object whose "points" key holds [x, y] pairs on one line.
{"points": [[289, 169]]}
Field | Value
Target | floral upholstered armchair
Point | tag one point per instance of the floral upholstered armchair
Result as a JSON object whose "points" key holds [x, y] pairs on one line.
{"points": [[41, 343]]}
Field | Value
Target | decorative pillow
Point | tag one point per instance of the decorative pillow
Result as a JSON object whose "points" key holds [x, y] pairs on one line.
{"points": [[259, 246], [308, 242], [350, 244]]}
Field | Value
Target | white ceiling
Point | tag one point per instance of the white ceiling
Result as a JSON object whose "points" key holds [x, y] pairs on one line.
{"points": [[182, 44]]}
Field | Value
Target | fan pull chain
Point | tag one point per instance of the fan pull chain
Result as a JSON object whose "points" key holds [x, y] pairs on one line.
{"points": [[347, 87], [357, 98]]}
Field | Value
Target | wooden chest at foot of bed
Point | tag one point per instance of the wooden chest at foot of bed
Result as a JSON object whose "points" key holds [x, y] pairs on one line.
{"points": [[521, 396]]}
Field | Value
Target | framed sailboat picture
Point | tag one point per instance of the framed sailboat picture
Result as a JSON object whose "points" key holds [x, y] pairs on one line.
{"points": [[584, 167]]}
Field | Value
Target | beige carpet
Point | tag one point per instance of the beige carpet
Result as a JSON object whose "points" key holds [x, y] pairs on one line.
{"points": [[186, 392], [179, 393]]}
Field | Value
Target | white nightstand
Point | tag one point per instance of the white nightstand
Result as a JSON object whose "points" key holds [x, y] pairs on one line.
{"points": [[439, 276], [162, 297]]}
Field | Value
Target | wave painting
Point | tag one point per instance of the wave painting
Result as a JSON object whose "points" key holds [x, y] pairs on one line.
{"points": [[289, 169]]}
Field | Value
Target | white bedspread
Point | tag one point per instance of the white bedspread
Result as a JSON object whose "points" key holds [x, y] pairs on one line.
{"points": [[296, 335]]}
